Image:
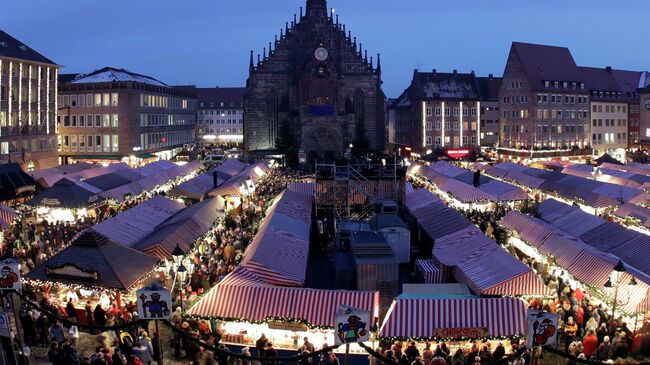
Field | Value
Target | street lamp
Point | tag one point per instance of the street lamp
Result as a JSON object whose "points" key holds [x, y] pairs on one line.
{"points": [[617, 273], [182, 275], [177, 255]]}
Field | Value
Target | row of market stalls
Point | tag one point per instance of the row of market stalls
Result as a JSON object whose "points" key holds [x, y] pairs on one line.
{"points": [[123, 253], [71, 197], [75, 172], [589, 249], [198, 187], [593, 196], [462, 252], [265, 293], [609, 175], [463, 188]]}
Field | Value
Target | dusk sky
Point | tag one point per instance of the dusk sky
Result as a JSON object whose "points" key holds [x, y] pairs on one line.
{"points": [[207, 42]]}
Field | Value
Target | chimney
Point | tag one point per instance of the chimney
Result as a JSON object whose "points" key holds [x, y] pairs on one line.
{"points": [[490, 76], [433, 71], [608, 68], [215, 180], [455, 72]]}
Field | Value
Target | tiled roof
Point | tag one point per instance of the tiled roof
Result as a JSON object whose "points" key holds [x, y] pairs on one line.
{"points": [[216, 95], [441, 85], [489, 87], [11, 47], [546, 63], [599, 79], [110, 74]]}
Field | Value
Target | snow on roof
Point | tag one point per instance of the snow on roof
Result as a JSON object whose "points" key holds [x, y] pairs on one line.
{"points": [[109, 74]]}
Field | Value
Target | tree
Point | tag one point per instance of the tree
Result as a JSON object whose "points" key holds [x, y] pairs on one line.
{"points": [[360, 142], [286, 144]]}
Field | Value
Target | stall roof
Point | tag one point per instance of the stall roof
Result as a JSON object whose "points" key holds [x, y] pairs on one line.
{"points": [[66, 194], [305, 188], [48, 178], [12, 180], [182, 229], [279, 251], [230, 168], [242, 296], [195, 188], [113, 179], [7, 215], [95, 261], [425, 318], [132, 225], [232, 185], [634, 211]]}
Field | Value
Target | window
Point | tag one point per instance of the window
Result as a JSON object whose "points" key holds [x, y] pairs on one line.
{"points": [[465, 111], [437, 111], [116, 122], [107, 99], [81, 100], [98, 99], [473, 111], [107, 120], [429, 126], [89, 100], [82, 143], [73, 121], [455, 111], [73, 100], [429, 111], [115, 143], [107, 142], [437, 141], [73, 143], [464, 140], [66, 143], [98, 143], [66, 120], [447, 111], [98, 120], [90, 139], [437, 126], [429, 141], [114, 99], [82, 121]]}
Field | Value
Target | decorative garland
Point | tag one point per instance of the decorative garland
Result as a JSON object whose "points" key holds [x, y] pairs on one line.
{"points": [[264, 321], [449, 339]]}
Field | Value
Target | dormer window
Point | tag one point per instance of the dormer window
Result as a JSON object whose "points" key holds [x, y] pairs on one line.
{"points": [[565, 85], [582, 86], [547, 83], [556, 84], [573, 85]]}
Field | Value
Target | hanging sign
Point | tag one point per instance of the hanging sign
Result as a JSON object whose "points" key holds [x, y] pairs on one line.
{"points": [[351, 325], [541, 328], [9, 275], [154, 302]]}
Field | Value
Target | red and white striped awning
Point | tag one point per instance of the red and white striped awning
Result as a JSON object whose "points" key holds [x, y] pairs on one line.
{"points": [[243, 296], [425, 318], [431, 274], [7, 215]]}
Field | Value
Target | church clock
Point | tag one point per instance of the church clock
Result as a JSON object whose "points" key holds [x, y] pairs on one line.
{"points": [[321, 54]]}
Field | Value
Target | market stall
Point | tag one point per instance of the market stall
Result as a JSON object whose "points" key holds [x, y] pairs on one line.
{"points": [[247, 306], [66, 201], [181, 229], [456, 320], [96, 269], [430, 273], [240, 185]]}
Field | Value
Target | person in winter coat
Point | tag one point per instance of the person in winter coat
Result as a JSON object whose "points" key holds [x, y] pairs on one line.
{"points": [[603, 349], [411, 352], [144, 350], [118, 358], [590, 344], [56, 333]]}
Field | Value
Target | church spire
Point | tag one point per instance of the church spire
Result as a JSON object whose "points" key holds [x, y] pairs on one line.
{"points": [[317, 9], [378, 62], [250, 64]]}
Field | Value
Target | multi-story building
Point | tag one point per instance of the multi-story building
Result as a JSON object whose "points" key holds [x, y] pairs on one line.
{"points": [[489, 90], [543, 102], [609, 110], [114, 114], [221, 115], [644, 115], [629, 82], [28, 95], [438, 111]]}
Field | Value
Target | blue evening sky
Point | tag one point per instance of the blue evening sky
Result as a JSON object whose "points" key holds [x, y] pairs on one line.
{"points": [[207, 42]]}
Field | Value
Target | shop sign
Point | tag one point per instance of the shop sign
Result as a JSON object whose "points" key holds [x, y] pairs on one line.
{"points": [[469, 332], [51, 202], [154, 302], [4, 325], [9, 275], [287, 326], [25, 189], [457, 153], [352, 325], [541, 328]]}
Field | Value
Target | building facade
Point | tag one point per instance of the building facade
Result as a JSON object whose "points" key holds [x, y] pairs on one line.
{"points": [[315, 85], [117, 115], [543, 102], [221, 115], [28, 105], [440, 112], [644, 115], [489, 90]]}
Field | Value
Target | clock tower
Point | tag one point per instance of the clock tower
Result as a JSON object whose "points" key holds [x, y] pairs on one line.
{"points": [[316, 81]]}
